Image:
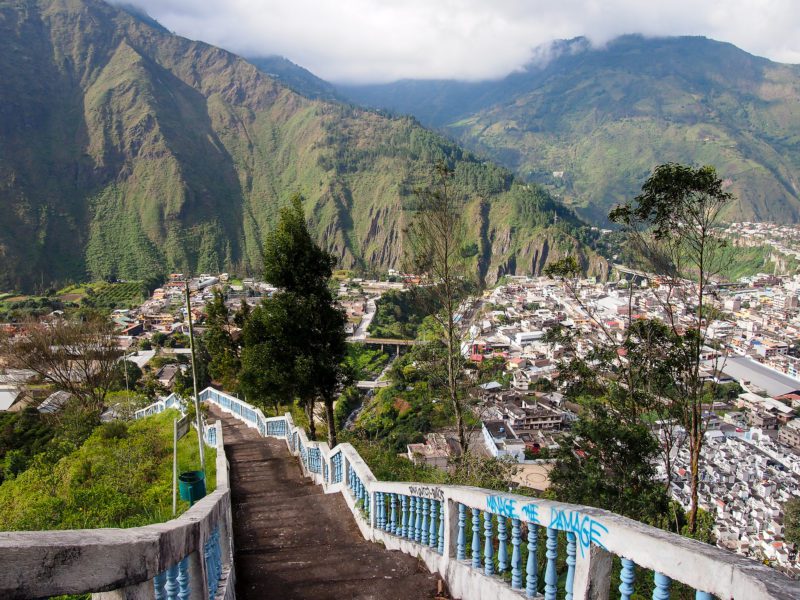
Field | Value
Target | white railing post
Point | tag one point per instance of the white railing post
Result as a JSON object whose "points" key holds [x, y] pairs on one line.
{"points": [[450, 508], [198, 583], [592, 574]]}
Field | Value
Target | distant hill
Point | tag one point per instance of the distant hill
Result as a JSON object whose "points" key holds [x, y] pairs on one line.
{"points": [[128, 152], [592, 123], [296, 78]]}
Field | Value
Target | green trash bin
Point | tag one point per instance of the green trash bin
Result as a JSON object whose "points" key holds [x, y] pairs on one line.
{"points": [[192, 485]]}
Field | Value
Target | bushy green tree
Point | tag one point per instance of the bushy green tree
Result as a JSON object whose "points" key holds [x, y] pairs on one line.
{"points": [[294, 342], [608, 463], [223, 351], [791, 521]]}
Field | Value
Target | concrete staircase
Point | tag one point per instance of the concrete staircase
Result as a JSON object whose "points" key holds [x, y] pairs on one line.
{"points": [[293, 541]]}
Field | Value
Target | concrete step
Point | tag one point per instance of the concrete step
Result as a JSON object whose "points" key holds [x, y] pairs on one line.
{"points": [[293, 541]]}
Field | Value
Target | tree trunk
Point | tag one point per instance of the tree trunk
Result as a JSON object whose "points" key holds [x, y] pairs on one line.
{"points": [[331, 422], [695, 480], [312, 427]]}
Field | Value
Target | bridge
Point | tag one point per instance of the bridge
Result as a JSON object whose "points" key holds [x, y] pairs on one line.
{"points": [[633, 272], [372, 385], [297, 519], [384, 341]]}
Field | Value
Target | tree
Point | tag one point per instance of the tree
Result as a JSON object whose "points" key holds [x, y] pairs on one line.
{"points": [[78, 357], [435, 239], [791, 521], [607, 463], [294, 342], [224, 363], [126, 376], [672, 227]]}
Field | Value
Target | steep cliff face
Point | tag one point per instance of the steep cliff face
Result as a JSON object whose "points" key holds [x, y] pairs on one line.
{"points": [[126, 151]]}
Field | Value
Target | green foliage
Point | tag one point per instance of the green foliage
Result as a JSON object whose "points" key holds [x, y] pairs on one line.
{"points": [[120, 477], [224, 363], [400, 414], [607, 463], [22, 436], [126, 375], [398, 316], [791, 521], [365, 363], [348, 401]]}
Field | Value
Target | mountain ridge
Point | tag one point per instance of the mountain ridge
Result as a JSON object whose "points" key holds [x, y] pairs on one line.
{"points": [[128, 152], [602, 118]]}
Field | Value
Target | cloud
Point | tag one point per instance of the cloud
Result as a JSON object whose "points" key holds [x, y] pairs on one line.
{"points": [[386, 40]]}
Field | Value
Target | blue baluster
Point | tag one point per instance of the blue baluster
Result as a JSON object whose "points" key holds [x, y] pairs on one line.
{"points": [[432, 541], [440, 549], [393, 514], [404, 515], [412, 517], [516, 555], [550, 574], [379, 518], [461, 542], [626, 575], [488, 549], [424, 531], [183, 579], [476, 538], [159, 581], [570, 565], [171, 587], [418, 521], [661, 591], [502, 548], [367, 506], [698, 595]]}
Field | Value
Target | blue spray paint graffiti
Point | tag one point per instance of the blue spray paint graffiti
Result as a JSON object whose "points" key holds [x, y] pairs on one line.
{"points": [[531, 512], [505, 507], [586, 529]]}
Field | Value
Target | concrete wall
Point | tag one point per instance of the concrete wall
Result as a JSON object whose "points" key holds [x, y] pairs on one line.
{"points": [[123, 561]]}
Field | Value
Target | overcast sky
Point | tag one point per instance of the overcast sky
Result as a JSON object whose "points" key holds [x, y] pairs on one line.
{"points": [[385, 40]]}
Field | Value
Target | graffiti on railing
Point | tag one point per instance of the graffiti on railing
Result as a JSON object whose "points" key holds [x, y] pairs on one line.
{"points": [[436, 493], [500, 505], [587, 530]]}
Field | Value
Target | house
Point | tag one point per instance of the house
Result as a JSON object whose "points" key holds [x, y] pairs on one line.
{"points": [[12, 399], [500, 440], [54, 402], [166, 374], [434, 452], [789, 434]]}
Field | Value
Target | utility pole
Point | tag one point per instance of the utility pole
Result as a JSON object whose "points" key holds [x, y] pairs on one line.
{"points": [[194, 381]]}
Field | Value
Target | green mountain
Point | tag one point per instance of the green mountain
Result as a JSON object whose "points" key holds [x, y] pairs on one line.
{"points": [[126, 151], [592, 123]]}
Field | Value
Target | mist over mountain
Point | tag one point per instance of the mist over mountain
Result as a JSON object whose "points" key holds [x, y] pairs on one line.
{"points": [[591, 123], [127, 151]]}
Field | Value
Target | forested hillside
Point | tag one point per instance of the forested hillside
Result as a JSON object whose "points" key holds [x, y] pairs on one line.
{"points": [[129, 152]]}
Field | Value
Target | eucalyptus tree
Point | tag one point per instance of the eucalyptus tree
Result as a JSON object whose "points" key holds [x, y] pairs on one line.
{"points": [[673, 227], [435, 239]]}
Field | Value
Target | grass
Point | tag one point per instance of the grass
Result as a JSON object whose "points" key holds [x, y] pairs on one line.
{"points": [[120, 477]]}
